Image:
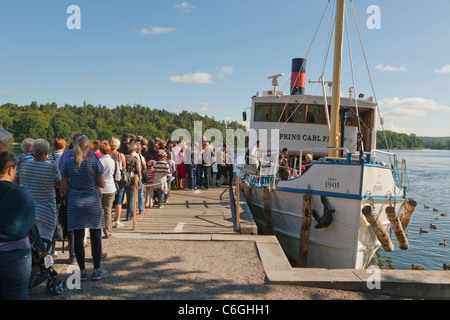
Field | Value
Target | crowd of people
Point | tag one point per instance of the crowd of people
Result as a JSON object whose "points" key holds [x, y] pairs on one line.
{"points": [[91, 180]]}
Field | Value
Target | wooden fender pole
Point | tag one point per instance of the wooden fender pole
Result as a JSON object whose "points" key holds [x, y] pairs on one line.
{"points": [[403, 242], [304, 232], [135, 204], [407, 212], [382, 235], [238, 204], [248, 195], [267, 209]]}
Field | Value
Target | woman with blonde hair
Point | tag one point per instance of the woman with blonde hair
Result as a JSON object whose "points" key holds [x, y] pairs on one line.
{"points": [[119, 158], [82, 176]]}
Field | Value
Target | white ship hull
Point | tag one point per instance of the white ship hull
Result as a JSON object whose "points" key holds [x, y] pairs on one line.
{"points": [[349, 242]]}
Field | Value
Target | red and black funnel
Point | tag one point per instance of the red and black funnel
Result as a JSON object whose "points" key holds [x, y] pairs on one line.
{"points": [[298, 76]]}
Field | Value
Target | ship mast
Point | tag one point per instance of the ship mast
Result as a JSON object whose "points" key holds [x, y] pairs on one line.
{"points": [[335, 135]]}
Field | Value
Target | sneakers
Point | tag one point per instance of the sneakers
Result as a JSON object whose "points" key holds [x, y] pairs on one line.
{"points": [[99, 274], [83, 276], [118, 224]]}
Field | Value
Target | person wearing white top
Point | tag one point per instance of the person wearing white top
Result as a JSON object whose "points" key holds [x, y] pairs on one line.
{"points": [[109, 191], [254, 157]]}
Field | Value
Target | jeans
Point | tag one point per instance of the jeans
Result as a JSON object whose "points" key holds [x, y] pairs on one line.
{"points": [[191, 170], [130, 200], [96, 246], [160, 195], [15, 273], [118, 200]]}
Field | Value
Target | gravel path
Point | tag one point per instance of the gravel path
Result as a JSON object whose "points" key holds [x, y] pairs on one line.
{"points": [[184, 270]]}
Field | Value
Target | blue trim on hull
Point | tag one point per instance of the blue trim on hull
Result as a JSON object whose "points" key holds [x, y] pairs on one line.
{"points": [[321, 193], [359, 196]]}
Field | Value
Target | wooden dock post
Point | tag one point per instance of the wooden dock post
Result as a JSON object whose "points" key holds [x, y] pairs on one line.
{"points": [[407, 212], [247, 193], [382, 235], [238, 204], [305, 232], [267, 209], [403, 242], [135, 204]]}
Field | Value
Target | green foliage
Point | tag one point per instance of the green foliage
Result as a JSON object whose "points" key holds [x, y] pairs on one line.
{"points": [[397, 140], [50, 121], [436, 142]]}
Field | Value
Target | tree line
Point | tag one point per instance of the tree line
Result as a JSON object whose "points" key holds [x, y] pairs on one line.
{"points": [[49, 121], [397, 140]]}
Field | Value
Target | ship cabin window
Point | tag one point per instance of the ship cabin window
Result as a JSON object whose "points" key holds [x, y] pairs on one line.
{"points": [[314, 114], [296, 113], [262, 112], [351, 116], [278, 113]]}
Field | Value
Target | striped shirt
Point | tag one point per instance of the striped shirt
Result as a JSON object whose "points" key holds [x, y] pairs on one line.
{"points": [[25, 157], [54, 155], [161, 169], [40, 178]]}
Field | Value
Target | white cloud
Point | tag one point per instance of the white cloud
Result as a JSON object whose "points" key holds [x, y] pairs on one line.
{"points": [[224, 70], [424, 117], [444, 69], [3, 95], [196, 78], [382, 67], [204, 107], [410, 108], [395, 128], [184, 7], [156, 30]]}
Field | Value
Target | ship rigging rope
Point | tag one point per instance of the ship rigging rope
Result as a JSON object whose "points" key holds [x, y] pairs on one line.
{"points": [[307, 53], [361, 150], [370, 77]]}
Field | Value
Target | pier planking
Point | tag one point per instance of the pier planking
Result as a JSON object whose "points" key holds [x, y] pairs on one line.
{"points": [[203, 212]]}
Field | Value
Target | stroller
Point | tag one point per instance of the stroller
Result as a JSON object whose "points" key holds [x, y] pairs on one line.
{"points": [[42, 263]]}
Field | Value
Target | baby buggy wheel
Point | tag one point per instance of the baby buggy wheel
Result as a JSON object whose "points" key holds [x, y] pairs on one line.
{"points": [[56, 285]]}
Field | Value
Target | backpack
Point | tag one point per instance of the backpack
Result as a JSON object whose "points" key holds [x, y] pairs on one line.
{"points": [[127, 175]]}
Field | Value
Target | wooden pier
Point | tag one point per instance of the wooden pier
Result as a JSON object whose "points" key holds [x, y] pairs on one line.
{"points": [[201, 211]]}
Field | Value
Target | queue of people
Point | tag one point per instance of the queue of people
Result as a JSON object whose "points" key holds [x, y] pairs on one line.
{"points": [[91, 179]]}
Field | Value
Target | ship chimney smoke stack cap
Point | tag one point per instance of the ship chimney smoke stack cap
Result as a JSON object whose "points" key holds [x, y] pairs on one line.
{"points": [[298, 76]]}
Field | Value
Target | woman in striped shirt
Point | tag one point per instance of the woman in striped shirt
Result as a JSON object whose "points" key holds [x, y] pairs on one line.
{"points": [[41, 178], [83, 176]]}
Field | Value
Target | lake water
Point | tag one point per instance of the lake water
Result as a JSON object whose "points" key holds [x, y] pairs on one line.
{"points": [[429, 179]]}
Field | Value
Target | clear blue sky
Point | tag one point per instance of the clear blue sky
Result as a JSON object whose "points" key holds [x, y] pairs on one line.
{"points": [[211, 56]]}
